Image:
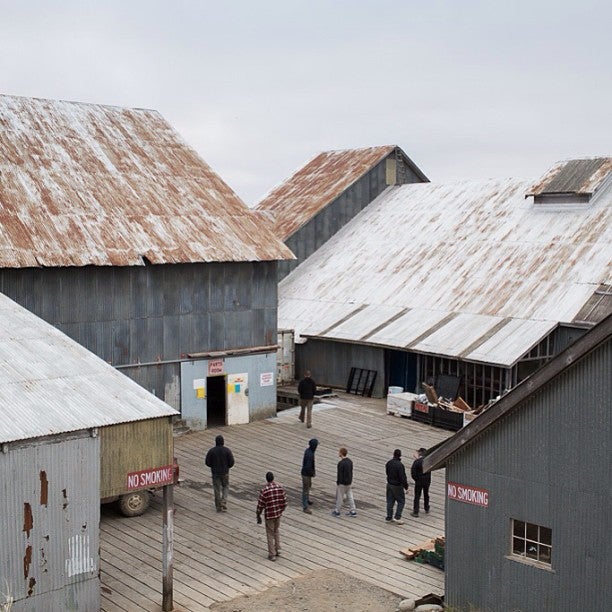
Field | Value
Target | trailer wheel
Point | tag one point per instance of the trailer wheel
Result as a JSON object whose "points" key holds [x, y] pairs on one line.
{"points": [[134, 503]]}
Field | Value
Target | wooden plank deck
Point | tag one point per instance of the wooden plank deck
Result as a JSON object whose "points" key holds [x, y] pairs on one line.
{"points": [[219, 556]]}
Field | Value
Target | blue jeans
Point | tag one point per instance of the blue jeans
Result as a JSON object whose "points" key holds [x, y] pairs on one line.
{"points": [[395, 493]]}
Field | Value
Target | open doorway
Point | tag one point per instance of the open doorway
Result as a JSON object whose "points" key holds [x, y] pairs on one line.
{"points": [[216, 401]]}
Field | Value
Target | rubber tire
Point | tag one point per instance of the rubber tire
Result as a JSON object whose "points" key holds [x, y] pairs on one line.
{"points": [[134, 503]]}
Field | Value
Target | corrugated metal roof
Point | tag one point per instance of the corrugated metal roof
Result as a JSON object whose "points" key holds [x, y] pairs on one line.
{"points": [[84, 184], [311, 188], [469, 270], [577, 176], [50, 384]]}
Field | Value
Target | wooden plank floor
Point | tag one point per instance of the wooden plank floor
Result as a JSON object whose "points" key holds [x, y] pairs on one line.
{"points": [[219, 556]]}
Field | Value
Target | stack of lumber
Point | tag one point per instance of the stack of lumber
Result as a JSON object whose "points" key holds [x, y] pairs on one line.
{"points": [[431, 552], [411, 552]]}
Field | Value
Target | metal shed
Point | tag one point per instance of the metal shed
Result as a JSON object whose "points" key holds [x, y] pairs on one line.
{"points": [[469, 279], [309, 207], [56, 399], [116, 232], [528, 490]]}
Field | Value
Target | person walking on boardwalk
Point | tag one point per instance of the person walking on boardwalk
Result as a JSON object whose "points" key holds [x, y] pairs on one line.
{"points": [[272, 502], [308, 473], [421, 482], [344, 482], [306, 390], [220, 459], [397, 485]]}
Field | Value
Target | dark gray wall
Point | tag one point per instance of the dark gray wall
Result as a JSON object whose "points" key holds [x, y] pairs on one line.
{"points": [[337, 214], [151, 313], [331, 362], [549, 464]]}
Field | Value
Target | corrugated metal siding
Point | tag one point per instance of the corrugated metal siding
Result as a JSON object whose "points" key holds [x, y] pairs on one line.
{"points": [[50, 384], [50, 561], [579, 176], [129, 447], [86, 184], [547, 463], [331, 362], [475, 249]]}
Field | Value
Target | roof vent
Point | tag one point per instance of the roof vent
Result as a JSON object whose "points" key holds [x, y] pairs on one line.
{"points": [[573, 182]]}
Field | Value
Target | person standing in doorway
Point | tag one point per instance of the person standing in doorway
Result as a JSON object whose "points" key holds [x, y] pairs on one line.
{"points": [[272, 502], [306, 390], [220, 459], [421, 482], [344, 482], [397, 485], [308, 473]]}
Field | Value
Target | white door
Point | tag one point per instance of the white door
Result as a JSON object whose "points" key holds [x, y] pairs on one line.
{"points": [[237, 399]]}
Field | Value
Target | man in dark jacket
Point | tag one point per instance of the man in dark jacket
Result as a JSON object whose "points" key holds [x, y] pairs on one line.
{"points": [[308, 473], [220, 459], [306, 390], [397, 484], [344, 481], [421, 482]]}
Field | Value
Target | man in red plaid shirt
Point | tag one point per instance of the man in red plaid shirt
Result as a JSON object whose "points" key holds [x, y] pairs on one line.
{"points": [[272, 501]]}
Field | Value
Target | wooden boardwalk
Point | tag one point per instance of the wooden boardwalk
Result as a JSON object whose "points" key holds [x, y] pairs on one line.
{"points": [[219, 556]]}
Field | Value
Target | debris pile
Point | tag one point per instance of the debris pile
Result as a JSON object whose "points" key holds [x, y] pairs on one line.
{"points": [[431, 552]]}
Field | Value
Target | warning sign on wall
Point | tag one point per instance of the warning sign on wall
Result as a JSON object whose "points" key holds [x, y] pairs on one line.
{"points": [[266, 379]]}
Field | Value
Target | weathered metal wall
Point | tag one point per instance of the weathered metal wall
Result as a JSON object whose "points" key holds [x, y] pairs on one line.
{"points": [[261, 397], [331, 362], [130, 447], [49, 523], [325, 224], [548, 464], [153, 314]]}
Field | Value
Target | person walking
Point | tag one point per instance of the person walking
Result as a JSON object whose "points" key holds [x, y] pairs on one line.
{"points": [[344, 482], [421, 482], [397, 485], [308, 473], [272, 502], [220, 459], [306, 390]]}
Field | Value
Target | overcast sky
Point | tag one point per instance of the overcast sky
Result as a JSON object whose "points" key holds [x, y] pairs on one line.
{"points": [[467, 89]]}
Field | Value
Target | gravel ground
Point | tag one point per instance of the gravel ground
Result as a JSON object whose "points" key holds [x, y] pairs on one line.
{"points": [[321, 590]]}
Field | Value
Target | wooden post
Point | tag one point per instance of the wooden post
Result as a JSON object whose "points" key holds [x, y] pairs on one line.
{"points": [[168, 549]]}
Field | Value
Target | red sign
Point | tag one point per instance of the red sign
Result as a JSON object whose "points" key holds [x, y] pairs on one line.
{"points": [[421, 407], [151, 477], [467, 494], [215, 366]]}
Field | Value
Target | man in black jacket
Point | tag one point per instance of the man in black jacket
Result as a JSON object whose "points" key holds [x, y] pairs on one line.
{"points": [[306, 390], [220, 459], [344, 481], [397, 484], [308, 473], [421, 482]]}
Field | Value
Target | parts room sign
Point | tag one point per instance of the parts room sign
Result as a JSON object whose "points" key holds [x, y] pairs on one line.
{"points": [[467, 494]]}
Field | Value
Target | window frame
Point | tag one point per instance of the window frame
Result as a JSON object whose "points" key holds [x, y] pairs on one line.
{"points": [[536, 540]]}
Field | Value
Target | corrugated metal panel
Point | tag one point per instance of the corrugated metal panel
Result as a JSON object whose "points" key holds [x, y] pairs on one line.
{"points": [[86, 184], [50, 384], [579, 176], [475, 248], [546, 463], [130, 447], [49, 519], [315, 185]]}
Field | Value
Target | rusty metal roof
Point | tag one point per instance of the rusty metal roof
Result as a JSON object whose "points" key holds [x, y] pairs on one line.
{"points": [[50, 384], [85, 184], [470, 270], [317, 184], [574, 176]]}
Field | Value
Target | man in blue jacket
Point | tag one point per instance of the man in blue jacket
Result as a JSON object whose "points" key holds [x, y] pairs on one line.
{"points": [[308, 473]]}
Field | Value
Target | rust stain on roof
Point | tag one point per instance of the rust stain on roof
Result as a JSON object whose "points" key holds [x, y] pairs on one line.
{"points": [[309, 190], [84, 184], [578, 176]]}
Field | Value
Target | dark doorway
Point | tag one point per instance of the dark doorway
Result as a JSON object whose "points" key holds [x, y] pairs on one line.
{"points": [[215, 401], [401, 370]]}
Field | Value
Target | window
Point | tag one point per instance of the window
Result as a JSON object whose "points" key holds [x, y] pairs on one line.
{"points": [[531, 541]]}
